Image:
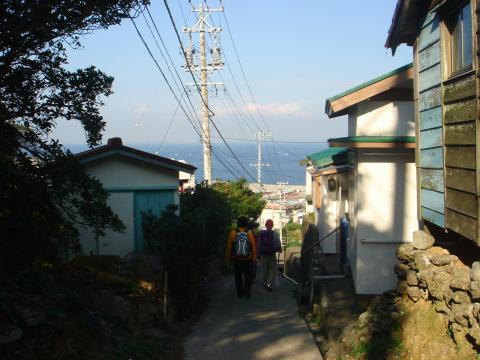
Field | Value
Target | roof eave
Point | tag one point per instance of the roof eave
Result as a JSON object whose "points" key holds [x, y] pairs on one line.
{"points": [[104, 152], [403, 29]]}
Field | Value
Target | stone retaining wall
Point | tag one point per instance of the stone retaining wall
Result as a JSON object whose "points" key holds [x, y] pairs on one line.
{"points": [[431, 273]]}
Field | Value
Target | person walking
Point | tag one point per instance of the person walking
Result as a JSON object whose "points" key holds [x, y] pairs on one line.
{"points": [[268, 244], [242, 250]]}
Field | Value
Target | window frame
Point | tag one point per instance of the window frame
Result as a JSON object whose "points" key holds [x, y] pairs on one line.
{"points": [[448, 42]]}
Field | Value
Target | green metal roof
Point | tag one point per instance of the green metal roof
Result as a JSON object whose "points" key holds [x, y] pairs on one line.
{"points": [[373, 139], [327, 156], [373, 81]]}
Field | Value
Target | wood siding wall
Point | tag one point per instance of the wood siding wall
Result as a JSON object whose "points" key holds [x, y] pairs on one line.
{"points": [[430, 134], [460, 109], [447, 119]]}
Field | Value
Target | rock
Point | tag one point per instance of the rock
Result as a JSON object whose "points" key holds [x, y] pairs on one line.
{"points": [[476, 310], [9, 333], [437, 250], [405, 253], [474, 333], [441, 260], [448, 297], [461, 297], [424, 277], [363, 319], [460, 314], [475, 271], [422, 260], [458, 333], [401, 270], [475, 290], [402, 287], [422, 240], [460, 278], [416, 294], [412, 278], [438, 285], [441, 307]]}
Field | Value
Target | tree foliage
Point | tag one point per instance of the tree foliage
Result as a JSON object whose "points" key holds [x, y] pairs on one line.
{"points": [[243, 201], [191, 244], [43, 190]]}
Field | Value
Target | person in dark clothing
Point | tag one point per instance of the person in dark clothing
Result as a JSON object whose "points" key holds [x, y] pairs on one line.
{"points": [[242, 250]]}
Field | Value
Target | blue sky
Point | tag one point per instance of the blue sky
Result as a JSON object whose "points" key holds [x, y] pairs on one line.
{"points": [[295, 54]]}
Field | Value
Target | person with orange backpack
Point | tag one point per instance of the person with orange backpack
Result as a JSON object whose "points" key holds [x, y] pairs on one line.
{"points": [[242, 250], [268, 244]]}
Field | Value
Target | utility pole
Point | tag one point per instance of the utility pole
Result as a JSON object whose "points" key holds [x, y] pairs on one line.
{"points": [[282, 201], [201, 69], [260, 138]]}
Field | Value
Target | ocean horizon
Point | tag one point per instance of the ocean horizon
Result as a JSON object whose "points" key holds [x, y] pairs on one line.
{"points": [[283, 159]]}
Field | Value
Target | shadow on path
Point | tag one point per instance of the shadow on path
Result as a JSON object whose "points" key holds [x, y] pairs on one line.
{"points": [[266, 326]]}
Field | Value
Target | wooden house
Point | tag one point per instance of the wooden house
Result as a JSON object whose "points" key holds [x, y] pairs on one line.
{"points": [[378, 188], [445, 40], [137, 182]]}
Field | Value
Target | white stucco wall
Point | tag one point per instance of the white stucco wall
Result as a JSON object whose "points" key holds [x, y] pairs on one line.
{"points": [[382, 118], [118, 171], [385, 217], [328, 218], [113, 243]]}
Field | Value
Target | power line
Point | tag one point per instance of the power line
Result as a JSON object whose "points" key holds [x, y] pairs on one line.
{"points": [[163, 74]]}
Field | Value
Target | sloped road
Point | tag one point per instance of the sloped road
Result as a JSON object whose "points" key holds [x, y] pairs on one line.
{"points": [[265, 327]]}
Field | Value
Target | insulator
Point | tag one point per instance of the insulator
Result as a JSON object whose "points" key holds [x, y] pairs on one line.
{"points": [[189, 55], [216, 56]]}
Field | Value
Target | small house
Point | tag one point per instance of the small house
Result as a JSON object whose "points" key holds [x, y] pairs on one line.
{"points": [[374, 184], [137, 181]]}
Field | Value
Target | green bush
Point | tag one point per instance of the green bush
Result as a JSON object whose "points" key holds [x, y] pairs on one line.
{"points": [[190, 244]]}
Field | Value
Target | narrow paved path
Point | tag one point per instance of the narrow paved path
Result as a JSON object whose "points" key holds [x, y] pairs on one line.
{"points": [[266, 326]]}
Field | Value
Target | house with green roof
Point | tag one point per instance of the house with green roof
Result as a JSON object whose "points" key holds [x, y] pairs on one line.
{"points": [[369, 176]]}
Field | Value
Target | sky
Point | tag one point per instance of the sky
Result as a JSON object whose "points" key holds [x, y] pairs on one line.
{"points": [[294, 54]]}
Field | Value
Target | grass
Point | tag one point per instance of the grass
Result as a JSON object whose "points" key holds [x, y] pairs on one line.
{"points": [[380, 347]]}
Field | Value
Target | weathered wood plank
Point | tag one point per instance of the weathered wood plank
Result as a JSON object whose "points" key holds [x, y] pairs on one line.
{"points": [[433, 200], [429, 78], [429, 18], [429, 34], [429, 57], [431, 118], [430, 98], [460, 156], [462, 202], [432, 179], [462, 111], [461, 179], [461, 224], [432, 158], [460, 89], [433, 216], [462, 134], [431, 138]]}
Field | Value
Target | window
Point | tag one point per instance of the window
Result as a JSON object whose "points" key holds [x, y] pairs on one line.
{"points": [[460, 28]]}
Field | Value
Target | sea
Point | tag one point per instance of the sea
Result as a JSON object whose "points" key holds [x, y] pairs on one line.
{"points": [[282, 160]]}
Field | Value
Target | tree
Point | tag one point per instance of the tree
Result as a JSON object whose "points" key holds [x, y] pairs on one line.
{"points": [[191, 243], [43, 190], [243, 201]]}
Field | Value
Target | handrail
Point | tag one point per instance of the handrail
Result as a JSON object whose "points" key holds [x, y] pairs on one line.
{"points": [[319, 241]]}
